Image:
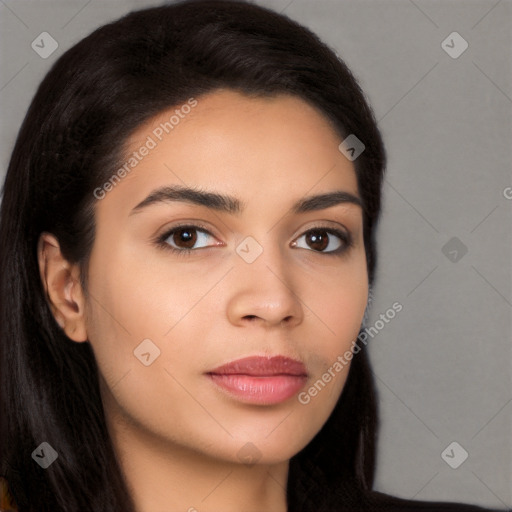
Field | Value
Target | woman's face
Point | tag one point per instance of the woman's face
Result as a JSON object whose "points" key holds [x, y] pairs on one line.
{"points": [[262, 278]]}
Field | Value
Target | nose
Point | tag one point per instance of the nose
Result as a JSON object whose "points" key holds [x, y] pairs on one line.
{"points": [[264, 292]]}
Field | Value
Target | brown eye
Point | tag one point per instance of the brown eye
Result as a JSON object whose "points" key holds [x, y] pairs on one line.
{"points": [[185, 236], [324, 240], [318, 240]]}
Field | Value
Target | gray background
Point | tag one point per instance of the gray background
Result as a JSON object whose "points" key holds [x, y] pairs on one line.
{"points": [[443, 364]]}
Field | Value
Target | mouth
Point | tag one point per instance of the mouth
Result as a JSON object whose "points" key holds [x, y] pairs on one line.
{"points": [[260, 380]]}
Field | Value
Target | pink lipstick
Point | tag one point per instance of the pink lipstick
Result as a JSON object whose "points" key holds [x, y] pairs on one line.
{"points": [[261, 380]]}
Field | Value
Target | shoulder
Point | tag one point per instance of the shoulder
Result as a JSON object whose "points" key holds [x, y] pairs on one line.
{"points": [[383, 502]]}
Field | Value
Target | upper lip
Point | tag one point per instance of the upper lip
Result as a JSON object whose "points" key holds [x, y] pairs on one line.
{"points": [[262, 366]]}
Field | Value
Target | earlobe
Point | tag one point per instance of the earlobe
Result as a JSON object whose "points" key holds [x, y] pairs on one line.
{"points": [[61, 282]]}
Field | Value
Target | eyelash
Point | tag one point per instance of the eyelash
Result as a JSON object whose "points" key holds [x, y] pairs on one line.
{"points": [[346, 239]]}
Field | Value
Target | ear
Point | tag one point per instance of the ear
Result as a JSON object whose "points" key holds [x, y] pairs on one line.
{"points": [[61, 282]]}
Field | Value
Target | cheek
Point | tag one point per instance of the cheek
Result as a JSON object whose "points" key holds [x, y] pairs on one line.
{"points": [[122, 309], [337, 302], [337, 310], [136, 297], [130, 298], [128, 322]]}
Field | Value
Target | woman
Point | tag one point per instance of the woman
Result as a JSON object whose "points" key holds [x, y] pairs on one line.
{"points": [[188, 242]]}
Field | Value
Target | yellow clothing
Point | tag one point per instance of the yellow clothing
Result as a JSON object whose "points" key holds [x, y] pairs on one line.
{"points": [[6, 500]]}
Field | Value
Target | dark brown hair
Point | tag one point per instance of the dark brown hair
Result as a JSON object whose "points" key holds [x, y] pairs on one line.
{"points": [[71, 141]]}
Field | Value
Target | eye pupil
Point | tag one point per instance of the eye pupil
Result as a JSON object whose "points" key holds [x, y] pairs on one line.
{"points": [[185, 236], [319, 240]]}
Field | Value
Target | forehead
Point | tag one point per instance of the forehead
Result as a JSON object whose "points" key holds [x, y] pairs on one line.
{"points": [[265, 149]]}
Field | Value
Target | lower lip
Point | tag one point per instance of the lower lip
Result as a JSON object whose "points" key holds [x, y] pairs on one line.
{"points": [[264, 390]]}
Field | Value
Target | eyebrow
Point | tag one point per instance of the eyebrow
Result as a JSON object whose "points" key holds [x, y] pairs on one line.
{"points": [[232, 205]]}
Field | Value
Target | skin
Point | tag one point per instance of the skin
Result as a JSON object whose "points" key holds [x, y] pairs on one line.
{"points": [[178, 436]]}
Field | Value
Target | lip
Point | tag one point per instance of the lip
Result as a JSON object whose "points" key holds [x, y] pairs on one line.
{"points": [[260, 380]]}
